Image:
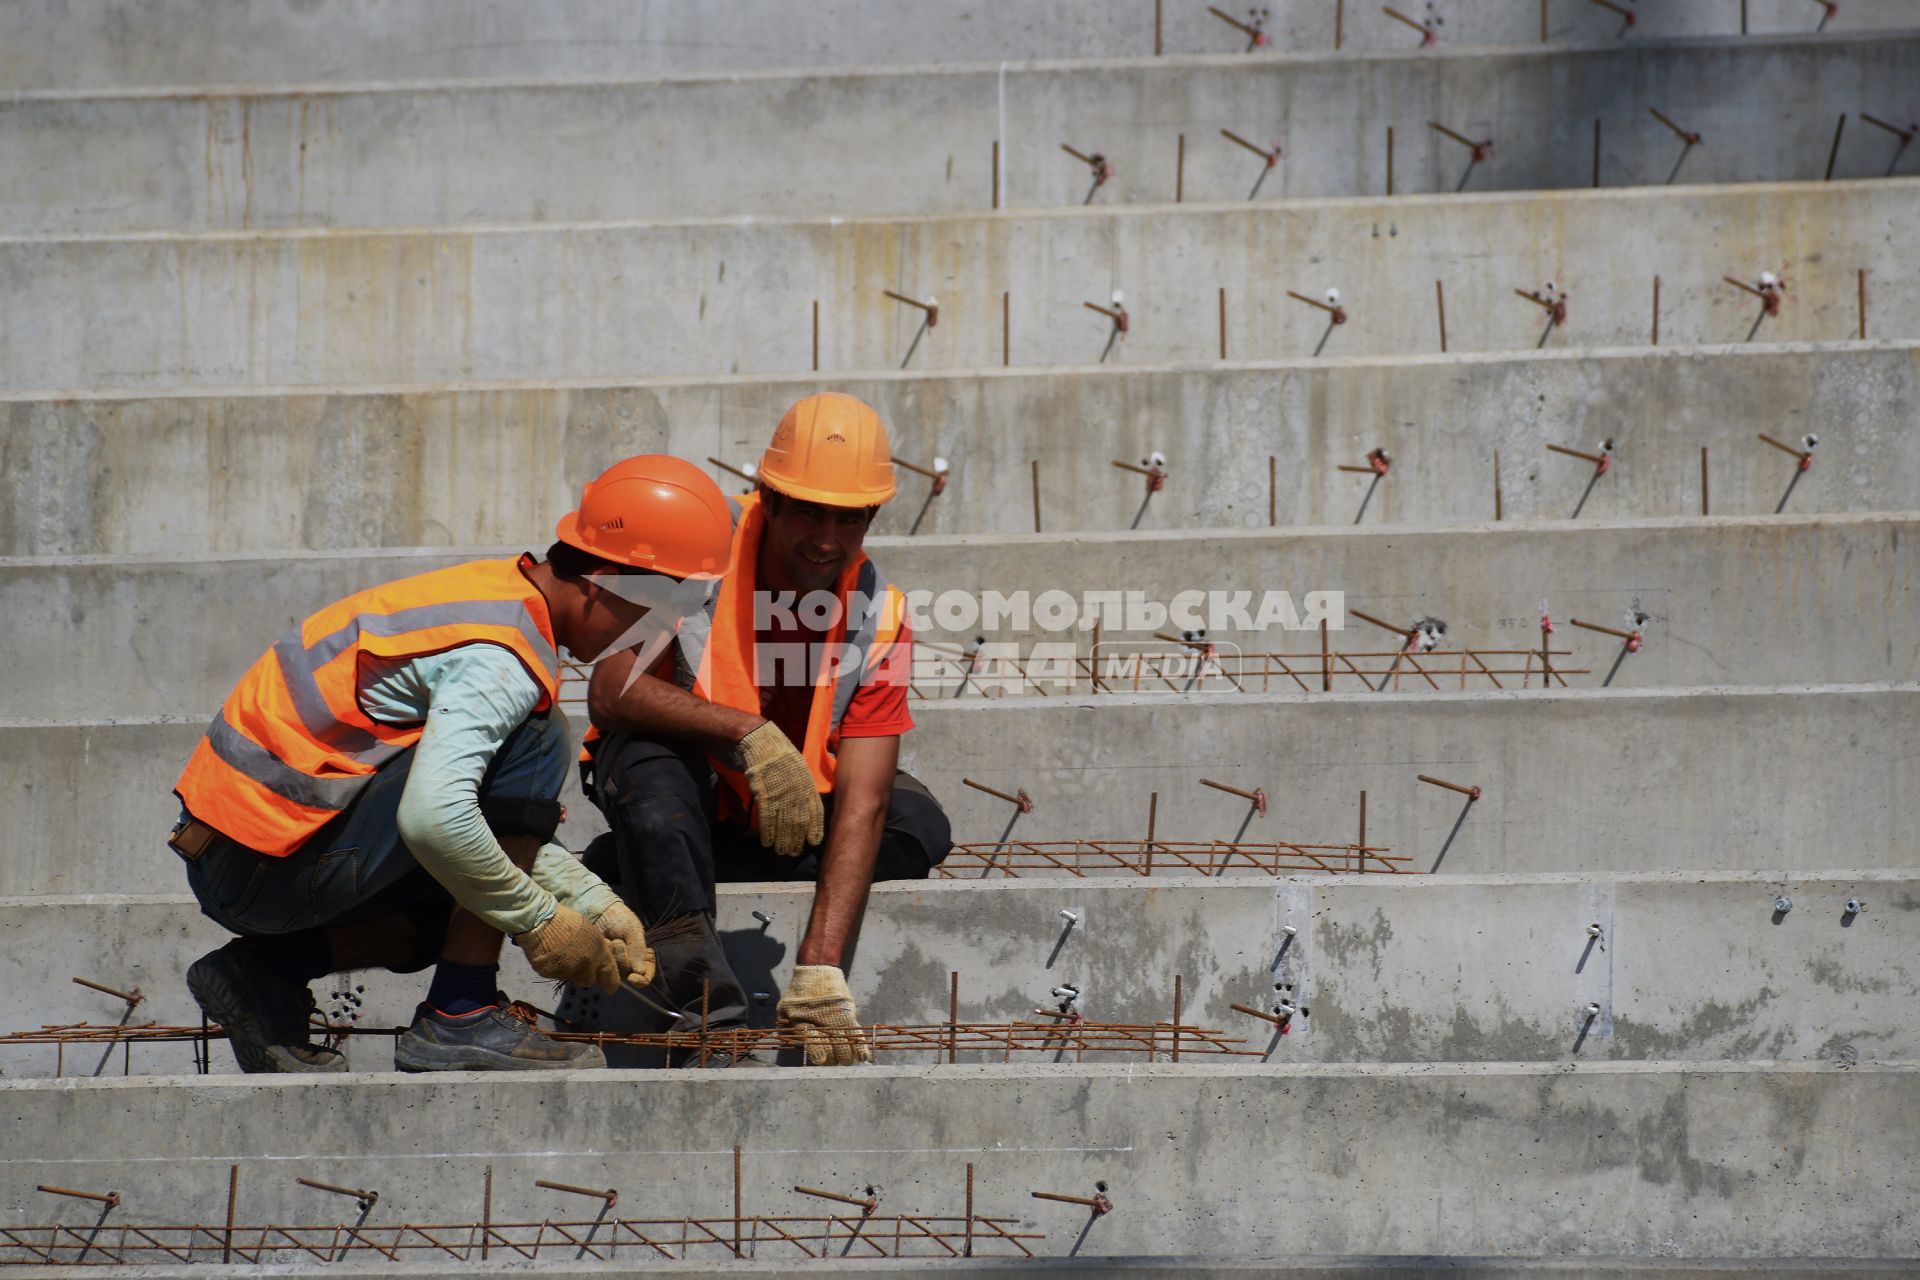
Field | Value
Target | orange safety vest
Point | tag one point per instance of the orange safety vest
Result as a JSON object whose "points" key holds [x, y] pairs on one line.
{"points": [[292, 746], [716, 656]]}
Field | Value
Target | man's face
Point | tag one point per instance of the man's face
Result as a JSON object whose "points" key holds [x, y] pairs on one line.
{"points": [[806, 546], [635, 611]]}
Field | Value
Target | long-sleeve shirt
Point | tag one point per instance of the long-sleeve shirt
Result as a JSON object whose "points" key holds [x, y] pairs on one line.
{"points": [[471, 699]]}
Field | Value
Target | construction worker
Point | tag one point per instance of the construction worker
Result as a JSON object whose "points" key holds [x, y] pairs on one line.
{"points": [[768, 747], [382, 788]]}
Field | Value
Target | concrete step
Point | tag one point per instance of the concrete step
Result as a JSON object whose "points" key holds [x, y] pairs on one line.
{"points": [[600, 300], [1774, 600], [1689, 966], [124, 43], [1573, 781], [917, 141], [1650, 1160], [345, 467], [1136, 1268]]}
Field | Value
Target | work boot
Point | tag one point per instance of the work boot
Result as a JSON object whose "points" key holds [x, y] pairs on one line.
{"points": [[264, 1015], [686, 950], [505, 1036]]}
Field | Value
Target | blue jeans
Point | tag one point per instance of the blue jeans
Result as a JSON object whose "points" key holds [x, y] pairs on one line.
{"points": [[357, 867]]}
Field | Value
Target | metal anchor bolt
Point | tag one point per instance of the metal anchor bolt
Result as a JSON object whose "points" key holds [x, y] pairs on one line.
{"points": [[1783, 904], [1855, 906], [764, 917], [1592, 1010], [1071, 917], [1594, 931]]}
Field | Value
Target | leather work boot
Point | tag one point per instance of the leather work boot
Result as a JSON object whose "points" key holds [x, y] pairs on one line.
{"points": [[264, 1015], [501, 1037], [687, 949]]}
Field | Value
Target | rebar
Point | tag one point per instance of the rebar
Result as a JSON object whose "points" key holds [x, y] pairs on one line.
{"points": [[1022, 800], [1471, 793], [1253, 672], [897, 1236], [1099, 1204], [866, 1205], [1015, 859], [1257, 797], [111, 1199], [133, 998], [941, 1039], [367, 1199], [611, 1197]]}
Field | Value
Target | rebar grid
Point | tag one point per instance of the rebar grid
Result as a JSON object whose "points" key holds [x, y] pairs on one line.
{"points": [[1139, 857], [846, 1235], [1140, 672], [1378, 670], [1003, 1038]]}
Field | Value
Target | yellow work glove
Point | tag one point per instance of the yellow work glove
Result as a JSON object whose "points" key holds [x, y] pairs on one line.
{"points": [[818, 1005], [791, 816], [629, 941], [568, 948]]}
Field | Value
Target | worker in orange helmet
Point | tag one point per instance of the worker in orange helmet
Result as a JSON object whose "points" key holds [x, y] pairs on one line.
{"points": [[768, 747], [382, 788]]}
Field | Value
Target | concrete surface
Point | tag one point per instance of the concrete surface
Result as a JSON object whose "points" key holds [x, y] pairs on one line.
{"points": [[918, 140], [57, 44], [1614, 781], [1690, 966], [343, 467], [1775, 600], [649, 240], [1766, 1161], [619, 300]]}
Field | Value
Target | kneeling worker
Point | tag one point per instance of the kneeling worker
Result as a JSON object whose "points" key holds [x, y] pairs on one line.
{"points": [[382, 788], [797, 690]]}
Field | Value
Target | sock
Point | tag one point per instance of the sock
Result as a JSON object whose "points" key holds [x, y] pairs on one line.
{"points": [[461, 988], [297, 957]]}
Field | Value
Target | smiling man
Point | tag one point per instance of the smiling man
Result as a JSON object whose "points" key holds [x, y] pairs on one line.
{"points": [[382, 787], [768, 747]]}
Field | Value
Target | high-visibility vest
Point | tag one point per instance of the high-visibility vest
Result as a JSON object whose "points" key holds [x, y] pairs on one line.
{"points": [[715, 651], [292, 746]]}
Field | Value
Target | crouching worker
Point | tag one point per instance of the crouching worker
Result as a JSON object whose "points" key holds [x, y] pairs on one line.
{"points": [[381, 789], [766, 746]]}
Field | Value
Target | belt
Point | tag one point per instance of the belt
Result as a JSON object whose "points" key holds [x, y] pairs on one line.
{"points": [[191, 838]]}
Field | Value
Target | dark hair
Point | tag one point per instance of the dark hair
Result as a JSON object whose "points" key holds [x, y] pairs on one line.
{"points": [[774, 500], [569, 562]]}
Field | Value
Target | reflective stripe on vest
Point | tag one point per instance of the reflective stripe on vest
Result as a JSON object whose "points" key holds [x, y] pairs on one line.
{"points": [[292, 746]]}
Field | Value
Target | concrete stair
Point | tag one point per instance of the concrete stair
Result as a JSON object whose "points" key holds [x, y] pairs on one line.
{"points": [[297, 296], [920, 141], [1573, 780], [620, 299], [1382, 968], [64, 46], [1741, 602], [334, 469]]}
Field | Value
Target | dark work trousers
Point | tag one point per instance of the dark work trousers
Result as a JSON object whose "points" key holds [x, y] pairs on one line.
{"points": [[357, 867], [668, 850]]}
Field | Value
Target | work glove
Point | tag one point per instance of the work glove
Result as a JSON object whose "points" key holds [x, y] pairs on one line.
{"points": [[631, 954], [818, 1005], [791, 815], [568, 948]]}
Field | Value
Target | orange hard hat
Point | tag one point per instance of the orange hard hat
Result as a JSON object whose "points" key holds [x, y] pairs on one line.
{"points": [[653, 512], [831, 449]]}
